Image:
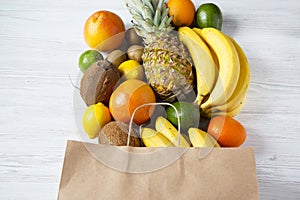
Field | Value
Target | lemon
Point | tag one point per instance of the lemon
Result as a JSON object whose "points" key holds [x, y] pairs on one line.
{"points": [[94, 118], [131, 69]]}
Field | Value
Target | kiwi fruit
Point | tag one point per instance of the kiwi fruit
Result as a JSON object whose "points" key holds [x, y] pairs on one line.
{"points": [[132, 37], [116, 57], [135, 52]]}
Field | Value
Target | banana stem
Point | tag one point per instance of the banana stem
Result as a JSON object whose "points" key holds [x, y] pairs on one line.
{"points": [[198, 100]]}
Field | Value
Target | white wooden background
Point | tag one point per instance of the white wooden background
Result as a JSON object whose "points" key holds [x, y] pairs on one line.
{"points": [[40, 42]]}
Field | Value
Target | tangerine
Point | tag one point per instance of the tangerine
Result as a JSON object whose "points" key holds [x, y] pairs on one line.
{"points": [[101, 26], [227, 131], [183, 12], [127, 97]]}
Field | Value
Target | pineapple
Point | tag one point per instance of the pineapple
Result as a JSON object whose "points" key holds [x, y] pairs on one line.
{"points": [[168, 66]]}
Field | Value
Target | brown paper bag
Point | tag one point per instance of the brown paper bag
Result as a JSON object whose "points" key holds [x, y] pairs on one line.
{"points": [[94, 171]]}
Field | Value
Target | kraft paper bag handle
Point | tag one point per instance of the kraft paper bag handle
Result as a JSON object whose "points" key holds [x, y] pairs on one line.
{"points": [[79, 181], [154, 104], [202, 152]]}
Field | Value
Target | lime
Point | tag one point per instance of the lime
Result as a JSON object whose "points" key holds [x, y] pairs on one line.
{"points": [[189, 115], [94, 118], [209, 15], [131, 69], [87, 58]]}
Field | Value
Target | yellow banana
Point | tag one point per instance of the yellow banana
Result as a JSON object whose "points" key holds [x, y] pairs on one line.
{"points": [[151, 138], [214, 56], [238, 97], [165, 127], [197, 30], [234, 111], [229, 67], [203, 61], [200, 138], [241, 90]]}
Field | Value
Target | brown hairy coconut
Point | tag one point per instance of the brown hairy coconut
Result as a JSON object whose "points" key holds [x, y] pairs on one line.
{"points": [[98, 82], [116, 133]]}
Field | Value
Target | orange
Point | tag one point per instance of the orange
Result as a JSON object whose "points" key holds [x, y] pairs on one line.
{"points": [[183, 12], [227, 131], [94, 118], [104, 30], [127, 97]]}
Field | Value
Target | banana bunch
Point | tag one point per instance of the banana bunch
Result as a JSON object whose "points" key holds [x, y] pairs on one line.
{"points": [[166, 135], [222, 70]]}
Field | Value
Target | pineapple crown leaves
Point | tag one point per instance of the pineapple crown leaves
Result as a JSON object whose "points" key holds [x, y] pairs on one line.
{"points": [[150, 17]]}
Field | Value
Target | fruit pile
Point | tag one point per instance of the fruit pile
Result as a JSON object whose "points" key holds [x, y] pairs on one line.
{"points": [[174, 54]]}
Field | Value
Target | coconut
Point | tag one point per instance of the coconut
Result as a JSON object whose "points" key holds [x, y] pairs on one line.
{"points": [[116, 133], [98, 82]]}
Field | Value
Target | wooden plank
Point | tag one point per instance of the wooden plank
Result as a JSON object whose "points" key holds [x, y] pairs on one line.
{"points": [[40, 42]]}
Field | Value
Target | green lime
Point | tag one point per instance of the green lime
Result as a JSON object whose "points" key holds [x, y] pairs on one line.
{"points": [[209, 15], [87, 58], [189, 115]]}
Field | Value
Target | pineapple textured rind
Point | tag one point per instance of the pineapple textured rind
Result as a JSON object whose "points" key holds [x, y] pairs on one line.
{"points": [[168, 66]]}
